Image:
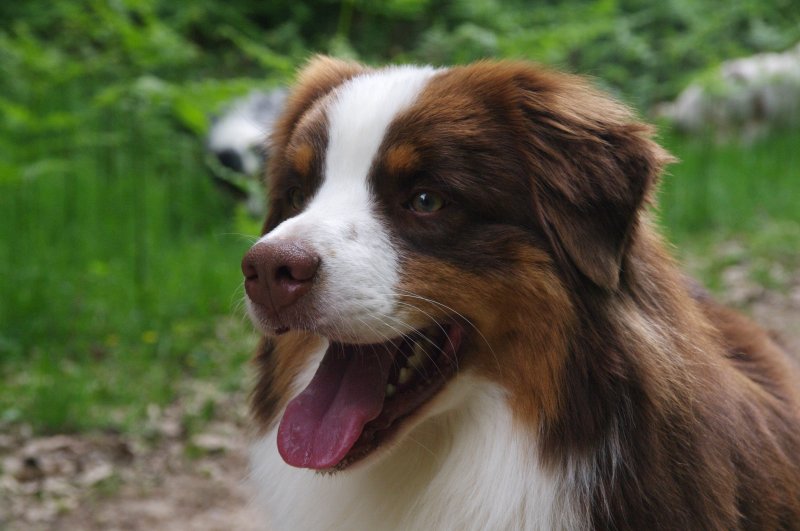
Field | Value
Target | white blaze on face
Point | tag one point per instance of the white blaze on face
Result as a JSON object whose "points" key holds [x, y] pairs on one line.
{"points": [[355, 298]]}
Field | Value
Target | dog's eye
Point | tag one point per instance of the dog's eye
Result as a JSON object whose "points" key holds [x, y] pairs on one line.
{"points": [[426, 202], [296, 198]]}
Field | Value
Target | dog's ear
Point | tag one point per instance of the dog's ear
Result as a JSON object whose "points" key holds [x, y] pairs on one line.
{"points": [[314, 81], [594, 168]]}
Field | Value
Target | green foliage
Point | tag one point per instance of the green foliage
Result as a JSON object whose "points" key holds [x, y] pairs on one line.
{"points": [[117, 254], [117, 257], [718, 193], [720, 188], [646, 51]]}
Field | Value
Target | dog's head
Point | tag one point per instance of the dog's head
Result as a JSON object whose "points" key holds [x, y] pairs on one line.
{"points": [[429, 223]]}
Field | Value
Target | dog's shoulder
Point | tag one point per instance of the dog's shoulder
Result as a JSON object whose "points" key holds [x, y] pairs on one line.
{"points": [[756, 352]]}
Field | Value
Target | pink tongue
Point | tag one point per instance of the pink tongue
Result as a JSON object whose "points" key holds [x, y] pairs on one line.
{"points": [[322, 423]]}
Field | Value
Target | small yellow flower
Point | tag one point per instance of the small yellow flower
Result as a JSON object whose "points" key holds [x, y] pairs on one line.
{"points": [[149, 336]]}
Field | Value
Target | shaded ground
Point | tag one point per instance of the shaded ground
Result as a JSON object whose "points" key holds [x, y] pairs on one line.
{"points": [[184, 475], [174, 477]]}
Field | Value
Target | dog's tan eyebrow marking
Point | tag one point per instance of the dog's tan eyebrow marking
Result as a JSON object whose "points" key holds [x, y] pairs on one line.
{"points": [[402, 158], [302, 158]]}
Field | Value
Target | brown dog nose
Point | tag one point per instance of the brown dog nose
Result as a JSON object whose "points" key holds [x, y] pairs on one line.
{"points": [[277, 274]]}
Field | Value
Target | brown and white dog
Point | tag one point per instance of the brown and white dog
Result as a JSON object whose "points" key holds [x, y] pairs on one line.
{"points": [[470, 322]]}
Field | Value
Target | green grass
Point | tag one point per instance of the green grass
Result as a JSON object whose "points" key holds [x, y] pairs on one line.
{"points": [[746, 194], [117, 259], [729, 188]]}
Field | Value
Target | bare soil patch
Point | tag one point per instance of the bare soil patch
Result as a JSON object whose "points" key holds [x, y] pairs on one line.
{"points": [[173, 477]]}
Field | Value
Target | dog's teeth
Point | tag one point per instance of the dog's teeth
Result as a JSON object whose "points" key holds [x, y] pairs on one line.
{"points": [[405, 376], [415, 361], [390, 390], [418, 358]]}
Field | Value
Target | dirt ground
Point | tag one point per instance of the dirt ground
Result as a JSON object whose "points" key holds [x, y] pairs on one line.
{"points": [[170, 478], [179, 479]]}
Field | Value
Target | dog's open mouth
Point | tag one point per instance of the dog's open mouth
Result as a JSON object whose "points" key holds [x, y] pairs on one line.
{"points": [[361, 394]]}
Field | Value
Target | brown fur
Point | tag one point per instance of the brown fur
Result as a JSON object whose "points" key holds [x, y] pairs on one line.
{"points": [[277, 372], [302, 158], [401, 159], [686, 413]]}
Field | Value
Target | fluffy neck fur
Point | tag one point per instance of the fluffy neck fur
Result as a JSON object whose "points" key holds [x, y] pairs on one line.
{"points": [[468, 468]]}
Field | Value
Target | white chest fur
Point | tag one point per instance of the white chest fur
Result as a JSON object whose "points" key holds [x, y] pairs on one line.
{"points": [[466, 468]]}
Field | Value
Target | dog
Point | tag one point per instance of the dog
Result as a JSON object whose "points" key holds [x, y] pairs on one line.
{"points": [[470, 321], [236, 137], [235, 147]]}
